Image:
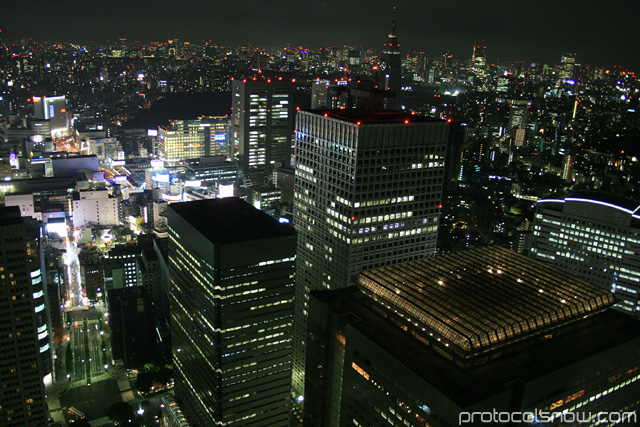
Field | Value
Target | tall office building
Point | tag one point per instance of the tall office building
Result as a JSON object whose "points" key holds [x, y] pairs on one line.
{"points": [[192, 139], [567, 65], [40, 293], [22, 400], [367, 190], [231, 270], [479, 57], [594, 236], [262, 124], [477, 333], [390, 68]]}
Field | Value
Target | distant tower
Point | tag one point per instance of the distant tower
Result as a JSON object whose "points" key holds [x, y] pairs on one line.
{"points": [[479, 57], [390, 73], [567, 64]]}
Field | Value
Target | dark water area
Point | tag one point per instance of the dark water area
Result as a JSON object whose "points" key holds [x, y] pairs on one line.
{"points": [[189, 106]]}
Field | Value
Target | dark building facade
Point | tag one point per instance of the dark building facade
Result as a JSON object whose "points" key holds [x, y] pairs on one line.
{"points": [[231, 271], [133, 338], [22, 400]]}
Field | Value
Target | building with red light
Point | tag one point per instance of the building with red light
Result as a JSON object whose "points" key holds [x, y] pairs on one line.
{"points": [[367, 190]]}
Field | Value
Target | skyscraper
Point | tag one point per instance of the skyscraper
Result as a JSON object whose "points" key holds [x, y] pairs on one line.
{"points": [[262, 124], [390, 68], [231, 270], [367, 190], [594, 236], [479, 57], [22, 393], [479, 61]]}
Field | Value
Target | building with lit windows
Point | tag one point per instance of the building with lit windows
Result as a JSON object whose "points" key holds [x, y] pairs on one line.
{"points": [[40, 293], [211, 169], [54, 109], [262, 124], [479, 57], [367, 194], [121, 267], [594, 236], [95, 207], [22, 392], [191, 139], [231, 270], [432, 342]]}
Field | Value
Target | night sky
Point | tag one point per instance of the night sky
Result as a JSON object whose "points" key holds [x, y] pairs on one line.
{"points": [[602, 33]]}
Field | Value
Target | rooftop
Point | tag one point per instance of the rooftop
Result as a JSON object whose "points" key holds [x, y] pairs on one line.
{"points": [[480, 299], [604, 331], [367, 117], [229, 220], [613, 200]]}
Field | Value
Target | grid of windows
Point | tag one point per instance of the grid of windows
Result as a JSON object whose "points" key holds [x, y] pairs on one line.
{"points": [[594, 240], [262, 123], [231, 318], [366, 195], [190, 139]]}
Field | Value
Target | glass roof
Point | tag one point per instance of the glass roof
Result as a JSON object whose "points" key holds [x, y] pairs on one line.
{"points": [[479, 298]]}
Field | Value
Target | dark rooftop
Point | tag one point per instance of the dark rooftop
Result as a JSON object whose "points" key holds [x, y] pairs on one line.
{"points": [[588, 337], [480, 299], [229, 220], [367, 117]]}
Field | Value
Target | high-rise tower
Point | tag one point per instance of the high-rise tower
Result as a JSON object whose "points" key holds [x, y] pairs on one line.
{"points": [[261, 124], [367, 190], [22, 393], [231, 269], [390, 68]]}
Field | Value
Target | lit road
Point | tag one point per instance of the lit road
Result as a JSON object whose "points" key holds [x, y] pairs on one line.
{"points": [[74, 289], [86, 351]]}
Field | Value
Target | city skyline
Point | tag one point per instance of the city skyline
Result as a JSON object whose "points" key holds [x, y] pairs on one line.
{"points": [[360, 217], [531, 34]]}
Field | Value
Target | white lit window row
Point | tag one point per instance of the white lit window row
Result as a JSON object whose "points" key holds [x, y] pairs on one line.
{"points": [[258, 307], [598, 396]]}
